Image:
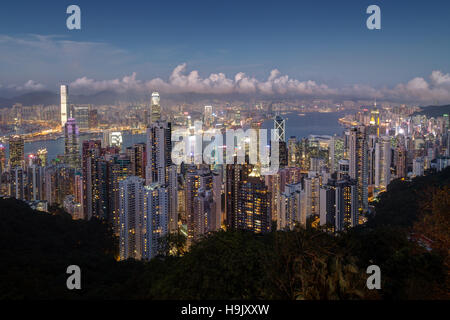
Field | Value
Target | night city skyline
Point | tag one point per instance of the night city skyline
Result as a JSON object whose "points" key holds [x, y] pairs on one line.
{"points": [[227, 156]]}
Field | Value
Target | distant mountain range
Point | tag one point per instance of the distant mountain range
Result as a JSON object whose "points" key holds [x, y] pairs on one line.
{"points": [[434, 111], [51, 98]]}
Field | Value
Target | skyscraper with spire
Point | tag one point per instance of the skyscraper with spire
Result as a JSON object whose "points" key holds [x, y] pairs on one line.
{"points": [[155, 108], [64, 94]]}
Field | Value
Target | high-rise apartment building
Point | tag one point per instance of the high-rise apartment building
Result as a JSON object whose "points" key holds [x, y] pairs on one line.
{"points": [[71, 152]]}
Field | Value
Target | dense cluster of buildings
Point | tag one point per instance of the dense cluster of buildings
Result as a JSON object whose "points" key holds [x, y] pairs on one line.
{"points": [[323, 181]]}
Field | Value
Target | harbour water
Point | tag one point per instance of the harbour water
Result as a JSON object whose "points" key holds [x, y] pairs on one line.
{"points": [[315, 123]]}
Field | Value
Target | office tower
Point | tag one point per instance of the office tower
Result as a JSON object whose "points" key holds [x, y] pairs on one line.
{"points": [[35, 182], [293, 152], [138, 159], [16, 152], [2, 159], [112, 139], [254, 205], [91, 151], [382, 162], [305, 154], [316, 164], [93, 118], [358, 164], [131, 213], [155, 219], [81, 115], [17, 183], [159, 148], [280, 129], [64, 94], [336, 152], [155, 108], [42, 155], [207, 116], [289, 215], [173, 198], [71, 152], [283, 154]]}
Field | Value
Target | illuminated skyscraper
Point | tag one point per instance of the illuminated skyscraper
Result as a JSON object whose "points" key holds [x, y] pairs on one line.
{"points": [[2, 159], [280, 128], [155, 219], [131, 215], [90, 153], [289, 215], [155, 108], [358, 164], [71, 152], [207, 116], [81, 114], [138, 157], [64, 94], [382, 162], [42, 155], [159, 148], [339, 204], [16, 152], [254, 212]]}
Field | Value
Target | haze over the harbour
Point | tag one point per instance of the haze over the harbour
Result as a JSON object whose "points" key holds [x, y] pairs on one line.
{"points": [[284, 49]]}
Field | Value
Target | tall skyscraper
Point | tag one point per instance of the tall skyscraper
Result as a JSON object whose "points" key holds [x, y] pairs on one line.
{"points": [[35, 182], [2, 159], [16, 152], [155, 108], [81, 114], [280, 129], [159, 148], [155, 219], [90, 153], [358, 164], [131, 214], [17, 184], [197, 181], [138, 157], [173, 198], [71, 152], [339, 204], [207, 116], [64, 94], [289, 215], [42, 155], [382, 162], [254, 212]]}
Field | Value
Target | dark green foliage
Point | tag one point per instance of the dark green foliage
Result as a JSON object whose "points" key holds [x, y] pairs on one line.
{"points": [[36, 248]]}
